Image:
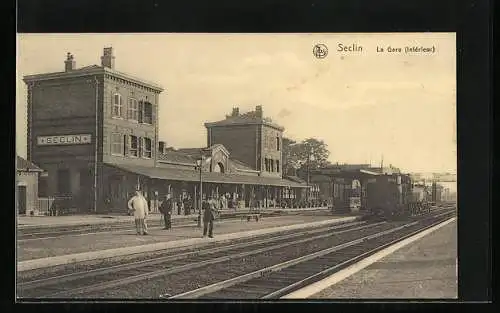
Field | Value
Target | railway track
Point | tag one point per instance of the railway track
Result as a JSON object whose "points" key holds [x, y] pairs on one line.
{"points": [[61, 285], [281, 279], [172, 269]]}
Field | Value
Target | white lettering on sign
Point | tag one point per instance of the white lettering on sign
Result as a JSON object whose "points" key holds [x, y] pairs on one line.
{"points": [[80, 139]]}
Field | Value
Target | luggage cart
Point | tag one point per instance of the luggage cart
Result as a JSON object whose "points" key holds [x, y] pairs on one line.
{"points": [[253, 213]]}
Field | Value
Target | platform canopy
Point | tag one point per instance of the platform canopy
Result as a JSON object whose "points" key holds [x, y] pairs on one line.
{"points": [[347, 173], [207, 177]]}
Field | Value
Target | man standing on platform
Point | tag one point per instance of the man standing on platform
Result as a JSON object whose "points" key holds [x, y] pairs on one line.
{"points": [[166, 210], [139, 206], [208, 218]]}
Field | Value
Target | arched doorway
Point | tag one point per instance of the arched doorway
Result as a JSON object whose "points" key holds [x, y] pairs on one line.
{"points": [[219, 168]]}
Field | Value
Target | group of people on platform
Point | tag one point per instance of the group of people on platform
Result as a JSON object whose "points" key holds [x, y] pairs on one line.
{"points": [[138, 205]]}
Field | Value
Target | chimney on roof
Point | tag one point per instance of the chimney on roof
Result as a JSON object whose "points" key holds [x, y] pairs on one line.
{"points": [[258, 111], [236, 111], [70, 63], [107, 59]]}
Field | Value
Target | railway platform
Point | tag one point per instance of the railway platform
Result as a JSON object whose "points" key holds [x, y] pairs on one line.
{"points": [[424, 269], [28, 222], [44, 252]]}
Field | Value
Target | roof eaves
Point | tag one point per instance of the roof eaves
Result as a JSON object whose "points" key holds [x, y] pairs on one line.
{"points": [[134, 79], [91, 70]]}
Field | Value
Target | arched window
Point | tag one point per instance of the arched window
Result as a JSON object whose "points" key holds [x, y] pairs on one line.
{"points": [[219, 168]]}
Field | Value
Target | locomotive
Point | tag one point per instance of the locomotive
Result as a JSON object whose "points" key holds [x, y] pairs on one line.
{"points": [[390, 196]]}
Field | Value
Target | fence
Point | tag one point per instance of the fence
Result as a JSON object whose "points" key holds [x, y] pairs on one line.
{"points": [[44, 205], [64, 205]]}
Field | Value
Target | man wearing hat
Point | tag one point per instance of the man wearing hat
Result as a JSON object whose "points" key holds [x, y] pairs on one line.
{"points": [[139, 206], [166, 210]]}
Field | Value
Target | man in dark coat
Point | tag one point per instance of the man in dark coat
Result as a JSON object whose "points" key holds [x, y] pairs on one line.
{"points": [[166, 210], [208, 218], [187, 205]]}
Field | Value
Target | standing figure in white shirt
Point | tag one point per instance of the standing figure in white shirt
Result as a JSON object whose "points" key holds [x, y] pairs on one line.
{"points": [[139, 206]]}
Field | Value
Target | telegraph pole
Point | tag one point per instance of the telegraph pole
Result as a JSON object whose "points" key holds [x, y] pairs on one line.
{"points": [[308, 176], [96, 140], [201, 188]]}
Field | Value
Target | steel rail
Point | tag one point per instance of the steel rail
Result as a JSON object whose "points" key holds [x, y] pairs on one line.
{"points": [[225, 248], [219, 286]]}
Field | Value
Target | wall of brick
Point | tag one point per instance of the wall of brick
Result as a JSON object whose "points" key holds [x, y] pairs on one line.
{"points": [[62, 107], [124, 126], [269, 149], [240, 140], [68, 106]]}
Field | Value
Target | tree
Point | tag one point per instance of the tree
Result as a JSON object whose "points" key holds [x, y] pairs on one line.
{"points": [[289, 159], [296, 155]]}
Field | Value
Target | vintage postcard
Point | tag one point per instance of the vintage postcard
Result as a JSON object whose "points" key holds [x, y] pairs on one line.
{"points": [[236, 166]]}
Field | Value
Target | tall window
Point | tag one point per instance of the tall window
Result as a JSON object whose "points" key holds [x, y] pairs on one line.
{"points": [[145, 112], [272, 165], [278, 143], [43, 187], [133, 146], [133, 110], [277, 166], [116, 144], [148, 113], [147, 150], [117, 105], [63, 181]]}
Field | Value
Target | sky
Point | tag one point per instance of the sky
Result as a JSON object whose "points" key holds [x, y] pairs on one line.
{"points": [[365, 105]]}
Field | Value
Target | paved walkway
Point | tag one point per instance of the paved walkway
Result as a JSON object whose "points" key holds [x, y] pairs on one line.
{"points": [[425, 269], [26, 222]]}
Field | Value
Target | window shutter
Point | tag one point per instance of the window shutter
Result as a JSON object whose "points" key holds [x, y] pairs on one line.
{"points": [[113, 96], [153, 113], [121, 105], [139, 146], [140, 111], [128, 110], [126, 144]]}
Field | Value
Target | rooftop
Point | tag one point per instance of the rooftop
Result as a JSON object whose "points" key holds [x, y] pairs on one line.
{"points": [[211, 177], [186, 156], [25, 165], [248, 118], [72, 71]]}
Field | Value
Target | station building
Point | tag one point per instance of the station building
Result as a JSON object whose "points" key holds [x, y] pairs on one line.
{"points": [[95, 131], [27, 176]]}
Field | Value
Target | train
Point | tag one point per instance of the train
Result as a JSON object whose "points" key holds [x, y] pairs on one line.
{"points": [[391, 196]]}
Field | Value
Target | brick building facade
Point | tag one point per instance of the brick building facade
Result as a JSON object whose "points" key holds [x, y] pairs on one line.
{"points": [[251, 138], [83, 118], [95, 131]]}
